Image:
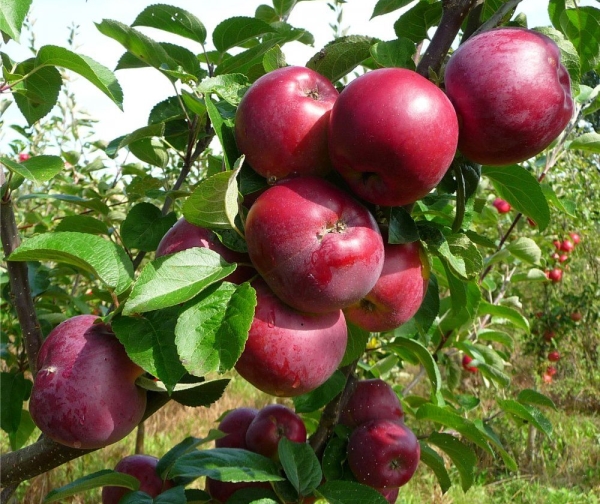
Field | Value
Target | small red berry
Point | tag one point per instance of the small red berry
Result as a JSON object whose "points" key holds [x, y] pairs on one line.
{"points": [[23, 157], [554, 356], [466, 360], [502, 206]]}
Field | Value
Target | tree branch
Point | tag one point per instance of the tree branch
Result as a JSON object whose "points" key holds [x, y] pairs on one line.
{"points": [[453, 14], [20, 290]]}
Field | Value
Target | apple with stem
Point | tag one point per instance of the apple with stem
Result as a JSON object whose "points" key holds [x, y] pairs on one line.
{"points": [[376, 133], [315, 246], [281, 123], [511, 92]]}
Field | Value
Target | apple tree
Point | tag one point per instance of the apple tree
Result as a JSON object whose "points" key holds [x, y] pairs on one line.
{"points": [[319, 229]]}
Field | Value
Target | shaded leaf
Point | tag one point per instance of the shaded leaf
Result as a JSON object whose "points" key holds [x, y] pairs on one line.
{"points": [[436, 463], [414, 23], [340, 57], [322, 395], [144, 226], [349, 492], [528, 413], [38, 93], [38, 168], [95, 480], [529, 396], [395, 53], [300, 464], [461, 455], [236, 30], [82, 224], [172, 19]]}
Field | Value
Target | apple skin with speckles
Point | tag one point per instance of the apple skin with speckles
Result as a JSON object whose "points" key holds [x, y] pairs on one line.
{"points": [[511, 93], [84, 393], [372, 399], [288, 352], [318, 248], [281, 123]]}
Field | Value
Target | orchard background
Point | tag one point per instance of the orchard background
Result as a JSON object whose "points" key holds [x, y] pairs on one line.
{"points": [[513, 429]]}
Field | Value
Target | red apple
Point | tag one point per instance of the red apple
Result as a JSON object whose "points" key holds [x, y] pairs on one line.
{"points": [[511, 93], [548, 335], [551, 370], [555, 256], [23, 156], [555, 275], [383, 453], [316, 247], [142, 467], [563, 257], [466, 361], [576, 238], [567, 246], [270, 424], [289, 353], [547, 378], [235, 424], [576, 316], [281, 123], [502, 206], [84, 394], [376, 133], [372, 399], [554, 356], [184, 235], [556, 244]]}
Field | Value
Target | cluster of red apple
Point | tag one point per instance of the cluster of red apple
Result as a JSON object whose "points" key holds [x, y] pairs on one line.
{"points": [[561, 254]]}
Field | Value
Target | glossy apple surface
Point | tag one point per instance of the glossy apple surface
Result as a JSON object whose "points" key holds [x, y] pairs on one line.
{"points": [[235, 424], [398, 292], [184, 235], [555, 275], [271, 424], [502, 206], [84, 394], [383, 453], [142, 467], [281, 123], [511, 93], [317, 247], [372, 399], [288, 352], [377, 136], [554, 356], [567, 246]]}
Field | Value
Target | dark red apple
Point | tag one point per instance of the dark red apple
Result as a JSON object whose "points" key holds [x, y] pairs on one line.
{"points": [[576, 316], [372, 399], [390, 494], [288, 352], [376, 133], [398, 293], [281, 123], [142, 467], [567, 246], [551, 370], [555, 275], [84, 394], [548, 335], [576, 238], [235, 424], [554, 356], [511, 93], [221, 491], [502, 206], [270, 425], [383, 453], [466, 361], [317, 248], [184, 235]]}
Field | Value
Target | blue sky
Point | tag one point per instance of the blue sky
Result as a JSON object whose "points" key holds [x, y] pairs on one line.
{"points": [[145, 87]]}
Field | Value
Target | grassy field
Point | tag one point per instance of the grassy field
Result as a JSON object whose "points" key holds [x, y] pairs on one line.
{"points": [[566, 469]]}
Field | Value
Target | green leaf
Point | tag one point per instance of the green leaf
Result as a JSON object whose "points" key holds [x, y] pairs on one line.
{"points": [[520, 188], [234, 31], [395, 53], [15, 389], [488, 432], [165, 111], [176, 278], [104, 259], [94, 72], [245, 61], [38, 93], [274, 59], [300, 464], [446, 417], [582, 27], [402, 228], [461, 455], [19, 438], [151, 151], [588, 142], [529, 396], [523, 248], [230, 87], [436, 463], [430, 307], [556, 8], [322, 395], [93, 203], [414, 23], [188, 445], [386, 6], [504, 312], [153, 130], [211, 333], [201, 394], [527, 413], [82, 224], [349, 492], [38, 168], [562, 205], [98, 479], [357, 341], [12, 16], [173, 20], [138, 44], [498, 336], [150, 342], [225, 133], [341, 56], [144, 227], [226, 464], [426, 360], [214, 202]]}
